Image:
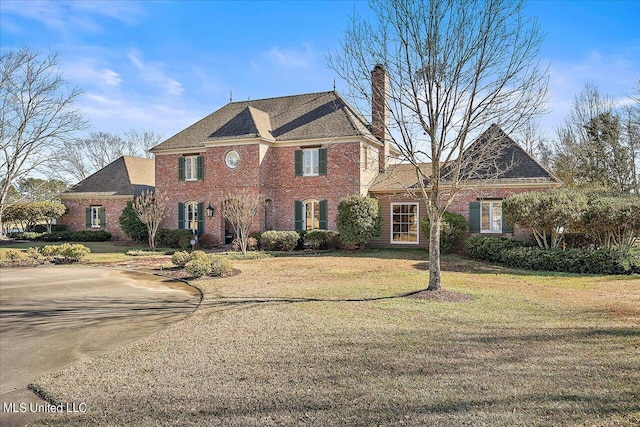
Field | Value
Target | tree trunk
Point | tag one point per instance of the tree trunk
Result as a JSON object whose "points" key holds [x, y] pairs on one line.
{"points": [[434, 252]]}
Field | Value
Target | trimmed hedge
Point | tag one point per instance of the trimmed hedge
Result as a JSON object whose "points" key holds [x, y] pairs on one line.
{"points": [[488, 248], [75, 236], [601, 261], [279, 240], [515, 254]]}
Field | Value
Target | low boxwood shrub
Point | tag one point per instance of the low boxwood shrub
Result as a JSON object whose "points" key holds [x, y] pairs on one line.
{"points": [[198, 267], [198, 255], [219, 265], [15, 255], [279, 240], [67, 252], [490, 248], [601, 261], [180, 258]]}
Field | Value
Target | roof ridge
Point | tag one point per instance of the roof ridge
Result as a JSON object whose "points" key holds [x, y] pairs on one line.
{"points": [[279, 97]]}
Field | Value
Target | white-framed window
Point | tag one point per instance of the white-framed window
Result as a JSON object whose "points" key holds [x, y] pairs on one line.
{"points": [[311, 162], [191, 168], [311, 214], [191, 216], [491, 217], [95, 217], [404, 223]]}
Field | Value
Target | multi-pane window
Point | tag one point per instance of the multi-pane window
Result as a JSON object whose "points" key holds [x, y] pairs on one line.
{"points": [[191, 216], [311, 161], [312, 215], [404, 220], [95, 217], [191, 168], [491, 217]]}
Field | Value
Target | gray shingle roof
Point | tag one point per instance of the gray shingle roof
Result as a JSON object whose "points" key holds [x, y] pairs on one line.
{"points": [[287, 118], [124, 176], [513, 162]]}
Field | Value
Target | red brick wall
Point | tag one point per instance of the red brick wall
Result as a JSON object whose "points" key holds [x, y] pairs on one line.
{"points": [[271, 172], [76, 220], [342, 179], [459, 205]]}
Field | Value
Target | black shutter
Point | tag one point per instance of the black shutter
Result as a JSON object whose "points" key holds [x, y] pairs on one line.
{"points": [[88, 213], [103, 216]]}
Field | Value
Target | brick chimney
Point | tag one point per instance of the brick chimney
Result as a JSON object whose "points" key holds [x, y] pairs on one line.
{"points": [[380, 111]]}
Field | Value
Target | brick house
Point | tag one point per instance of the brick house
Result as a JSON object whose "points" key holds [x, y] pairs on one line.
{"points": [[302, 154], [96, 202], [480, 202]]}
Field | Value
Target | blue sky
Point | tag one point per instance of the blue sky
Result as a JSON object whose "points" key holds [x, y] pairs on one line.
{"points": [[162, 65]]}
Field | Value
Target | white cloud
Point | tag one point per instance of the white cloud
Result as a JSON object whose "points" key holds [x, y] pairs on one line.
{"points": [[70, 16], [291, 59], [153, 72], [115, 112], [613, 73], [87, 72]]}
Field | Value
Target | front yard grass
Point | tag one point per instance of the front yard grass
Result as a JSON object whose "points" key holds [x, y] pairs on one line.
{"points": [[314, 340], [101, 252]]}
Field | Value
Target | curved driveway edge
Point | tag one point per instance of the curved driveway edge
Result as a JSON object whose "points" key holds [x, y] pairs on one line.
{"points": [[53, 316]]}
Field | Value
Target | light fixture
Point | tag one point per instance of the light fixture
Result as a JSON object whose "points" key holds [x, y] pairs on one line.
{"points": [[210, 210]]}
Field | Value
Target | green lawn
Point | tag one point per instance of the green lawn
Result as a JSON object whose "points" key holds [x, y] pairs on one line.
{"points": [[320, 340]]}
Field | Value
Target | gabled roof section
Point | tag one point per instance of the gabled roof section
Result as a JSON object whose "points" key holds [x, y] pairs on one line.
{"points": [[507, 160], [288, 118], [124, 176], [249, 123], [510, 164]]}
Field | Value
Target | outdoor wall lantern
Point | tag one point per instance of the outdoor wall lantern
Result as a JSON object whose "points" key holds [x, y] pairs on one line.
{"points": [[210, 210]]}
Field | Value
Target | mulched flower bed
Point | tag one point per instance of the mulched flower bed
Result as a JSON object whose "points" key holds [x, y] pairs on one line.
{"points": [[442, 295]]}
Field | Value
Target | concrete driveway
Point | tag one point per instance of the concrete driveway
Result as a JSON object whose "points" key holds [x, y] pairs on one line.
{"points": [[51, 317]]}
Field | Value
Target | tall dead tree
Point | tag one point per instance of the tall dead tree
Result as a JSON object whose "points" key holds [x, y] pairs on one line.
{"points": [[454, 67], [36, 115]]}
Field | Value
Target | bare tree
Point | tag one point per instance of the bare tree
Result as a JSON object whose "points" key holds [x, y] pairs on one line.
{"points": [[240, 209], [630, 118], [454, 68], [596, 147], [36, 114], [535, 142], [88, 155], [142, 141], [150, 210]]}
